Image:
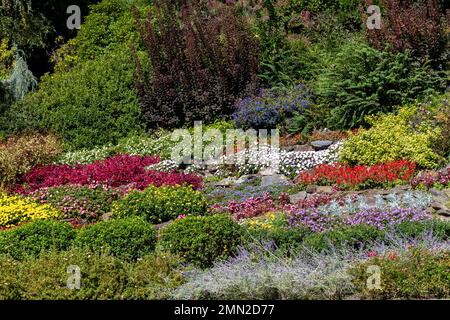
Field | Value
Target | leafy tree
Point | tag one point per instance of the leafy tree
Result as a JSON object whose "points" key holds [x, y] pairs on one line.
{"points": [[36, 27]]}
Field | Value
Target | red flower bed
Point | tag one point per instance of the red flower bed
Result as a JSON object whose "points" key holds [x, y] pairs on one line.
{"points": [[117, 171], [358, 177]]}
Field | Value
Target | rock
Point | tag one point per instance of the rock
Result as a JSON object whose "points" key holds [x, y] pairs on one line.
{"points": [[267, 172], [287, 148], [321, 144], [212, 168], [437, 205], [303, 148], [438, 194], [294, 198], [106, 216], [227, 182], [447, 192], [324, 189], [247, 178], [311, 188], [443, 212], [403, 187], [275, 180]]}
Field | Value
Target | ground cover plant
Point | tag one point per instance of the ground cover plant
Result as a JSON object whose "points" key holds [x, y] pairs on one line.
{"points": [[120, 170]]}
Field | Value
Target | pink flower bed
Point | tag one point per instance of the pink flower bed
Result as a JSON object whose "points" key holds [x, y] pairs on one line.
{"points": [[252, 207], [122, 170]]}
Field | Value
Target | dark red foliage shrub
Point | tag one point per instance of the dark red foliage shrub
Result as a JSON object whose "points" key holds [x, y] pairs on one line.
{"points": [[119, 171], [358, 177], [203, 58], [415, 25]]}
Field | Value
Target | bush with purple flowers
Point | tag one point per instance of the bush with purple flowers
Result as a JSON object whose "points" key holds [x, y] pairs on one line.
{"points": [[320, 220], [269, 109]]}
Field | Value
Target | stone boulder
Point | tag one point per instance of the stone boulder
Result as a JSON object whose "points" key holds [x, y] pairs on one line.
{"points": [[276, 180], [321, 144], [294, 198]]}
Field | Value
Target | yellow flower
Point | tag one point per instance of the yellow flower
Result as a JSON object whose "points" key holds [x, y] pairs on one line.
{"points": [[15, 210]]}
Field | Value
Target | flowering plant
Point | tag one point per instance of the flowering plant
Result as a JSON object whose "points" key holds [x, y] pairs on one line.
{"points": [[15, 210], [291, 163], [358, 177], [430, 179], [321, 220], [79, 204], [118, 171], [268, 109], [251, 207]]}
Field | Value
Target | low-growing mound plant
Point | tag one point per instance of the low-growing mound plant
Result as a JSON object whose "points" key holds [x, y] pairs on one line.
{"points": [[202, 240], [417, 273], [128, 238], [35, 237], [15, 210], [161, 204], [362, 236], [393, 137], [79, 204], [360, 176], [262, 273], [122, 170]]}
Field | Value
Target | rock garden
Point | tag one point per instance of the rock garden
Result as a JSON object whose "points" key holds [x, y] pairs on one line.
{"points": [[349, 200]]}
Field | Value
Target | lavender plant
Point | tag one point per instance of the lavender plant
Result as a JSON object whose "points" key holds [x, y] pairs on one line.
{"points": [[262, 272]]}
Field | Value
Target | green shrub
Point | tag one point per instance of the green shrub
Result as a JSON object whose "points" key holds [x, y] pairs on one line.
{"points": [[283, 238], [92, 104], [355, 236], [20, 153], [202, 240], [414, 274], [103, 277], [108, 25], [439, 228], [160, 204], [129, 238], [393, 137], [34, 237], [362, 81], [90, 100]]}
